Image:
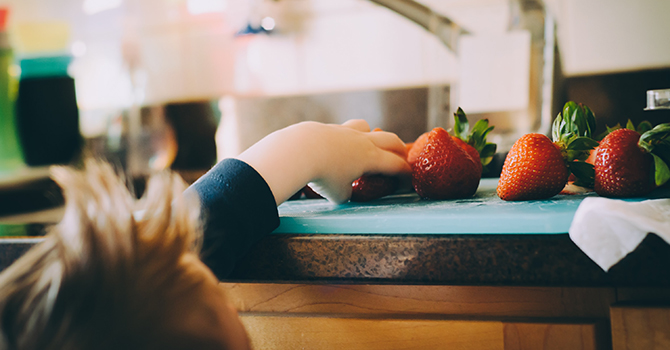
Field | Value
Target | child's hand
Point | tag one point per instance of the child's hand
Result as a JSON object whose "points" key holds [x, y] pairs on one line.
{"points": [[328, 156]]}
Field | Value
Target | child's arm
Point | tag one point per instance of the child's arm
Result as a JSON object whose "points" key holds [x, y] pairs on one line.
{"points": [[239, 197], [328, 156]]}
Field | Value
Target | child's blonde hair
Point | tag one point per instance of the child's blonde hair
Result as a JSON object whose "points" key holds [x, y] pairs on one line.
{"points": [[104, 277]]}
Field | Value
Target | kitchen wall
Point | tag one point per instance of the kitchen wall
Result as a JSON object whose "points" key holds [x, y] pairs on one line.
{"points": [[611, 36]]}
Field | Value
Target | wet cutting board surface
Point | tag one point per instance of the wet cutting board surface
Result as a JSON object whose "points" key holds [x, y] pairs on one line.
{"points": [[484, 213]]}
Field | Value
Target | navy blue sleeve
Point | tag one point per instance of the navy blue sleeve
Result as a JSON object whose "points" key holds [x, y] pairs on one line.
{"points": [[238, 209]]}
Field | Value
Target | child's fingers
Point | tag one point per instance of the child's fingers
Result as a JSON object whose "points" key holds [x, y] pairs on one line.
{"points": [[341, 196], [357, 124], [389, 141], [389, 163], [337, 194]]}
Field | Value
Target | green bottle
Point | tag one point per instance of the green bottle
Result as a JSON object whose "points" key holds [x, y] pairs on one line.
{"points": [[11, 156]]}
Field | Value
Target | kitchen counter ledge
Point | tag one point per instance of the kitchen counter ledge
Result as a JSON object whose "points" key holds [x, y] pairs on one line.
{"points": [[512, 260], [404, 240], [496, 260]]}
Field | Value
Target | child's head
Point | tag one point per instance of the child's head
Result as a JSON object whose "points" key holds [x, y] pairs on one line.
{"points": [[105, 278]]}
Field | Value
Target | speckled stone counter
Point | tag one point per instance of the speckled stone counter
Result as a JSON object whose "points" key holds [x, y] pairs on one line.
{"points": [[530, 260], [497, 260]]}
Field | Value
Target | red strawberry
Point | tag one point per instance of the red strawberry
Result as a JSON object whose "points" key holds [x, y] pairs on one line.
{"points": [[534, 169], [537, 168], [474, 142], [444, 170], [369, 187], [417, 147], [625, 164], [592, 156], [641, 128], [469, 150]]}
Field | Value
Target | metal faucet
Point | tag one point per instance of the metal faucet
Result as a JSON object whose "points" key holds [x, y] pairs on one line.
{"points": [[449, 32], [444, 28]]}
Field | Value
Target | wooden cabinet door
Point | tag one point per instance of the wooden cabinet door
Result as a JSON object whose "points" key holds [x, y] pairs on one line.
{"points": [[640, 327], [273, 332]]}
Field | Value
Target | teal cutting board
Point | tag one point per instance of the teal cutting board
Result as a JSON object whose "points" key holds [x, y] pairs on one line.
{"points": [[484, 213]]}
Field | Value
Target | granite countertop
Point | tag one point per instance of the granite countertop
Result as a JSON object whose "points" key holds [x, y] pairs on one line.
{"points": [[511, 260]]}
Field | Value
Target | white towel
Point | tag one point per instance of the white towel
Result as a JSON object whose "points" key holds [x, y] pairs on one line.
{"points": [[608, 229]]}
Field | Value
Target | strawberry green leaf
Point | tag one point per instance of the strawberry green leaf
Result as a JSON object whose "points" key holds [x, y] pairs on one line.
{"points": [[575, 120], [662, 150], [584, 173], [576, 155], [661, 171], [578, 148], [481, 125], [658, 130], [461, 125], [583, 121], [481, 129], [487, 131], [570, 112], [572, 131], [661, 155], [657, 142], [615, 127], [659, 135], [644, 126], [486, 154], [475, 137], [582, 143], [556, 128], [590, 120]]}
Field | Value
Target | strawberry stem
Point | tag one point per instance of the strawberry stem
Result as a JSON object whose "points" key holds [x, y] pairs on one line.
{"points": [[461, 125], [657, 142], [661, 171], [643, 127], [584, 172], [576, 120], [572, 132], [578, 147], [475, 137]]}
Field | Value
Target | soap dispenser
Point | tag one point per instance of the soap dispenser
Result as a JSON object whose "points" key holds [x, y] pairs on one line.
{"points": [[46, 106]]}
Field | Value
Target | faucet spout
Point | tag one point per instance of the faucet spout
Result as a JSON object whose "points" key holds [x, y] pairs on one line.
{"points": [[443, 27]]}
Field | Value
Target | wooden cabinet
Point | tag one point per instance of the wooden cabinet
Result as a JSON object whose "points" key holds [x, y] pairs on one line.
{"points": [[314, 316], [639, 326], [323, 332]]}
